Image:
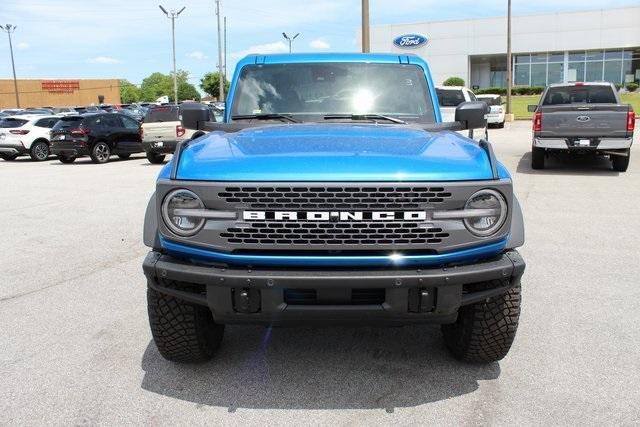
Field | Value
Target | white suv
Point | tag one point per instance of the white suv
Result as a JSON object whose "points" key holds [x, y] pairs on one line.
{"points": [[449, 97], [26, 134]]}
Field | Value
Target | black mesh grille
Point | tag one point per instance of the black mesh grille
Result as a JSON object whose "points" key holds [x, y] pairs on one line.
{"points": [[370, 296], [375, 197], [326, 233]]}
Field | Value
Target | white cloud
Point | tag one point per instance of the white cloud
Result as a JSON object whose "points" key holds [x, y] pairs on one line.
{"points": [[23, 45], [197, 54], [275, 47], [103, 60], [319, 44]]}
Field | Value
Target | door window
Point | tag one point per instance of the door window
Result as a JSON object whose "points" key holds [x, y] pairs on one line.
{"points": [[111, 121], [130, 123]]}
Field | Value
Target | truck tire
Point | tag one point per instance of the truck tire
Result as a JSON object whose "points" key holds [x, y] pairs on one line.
{"points": [[484, 331], [620, 163], [183, 332], [39, 151], [537, 158], [155, 158], [100, 152], [66, 160]]}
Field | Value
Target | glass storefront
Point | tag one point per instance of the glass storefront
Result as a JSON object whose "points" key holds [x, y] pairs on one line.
{"points": [[541, 69]]}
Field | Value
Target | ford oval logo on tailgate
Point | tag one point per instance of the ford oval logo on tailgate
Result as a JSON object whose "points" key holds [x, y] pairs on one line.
{"points": [[410, 40], [583, 118]]}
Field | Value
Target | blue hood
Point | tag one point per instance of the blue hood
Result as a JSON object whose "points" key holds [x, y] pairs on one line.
{"points": [[334, 152]]}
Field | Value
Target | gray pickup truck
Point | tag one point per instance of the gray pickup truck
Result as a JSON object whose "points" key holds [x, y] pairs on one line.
{"points": [[582, 118]]}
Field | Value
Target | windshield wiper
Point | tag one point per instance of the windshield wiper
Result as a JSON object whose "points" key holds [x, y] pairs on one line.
{"points": [[266, 116], [373, 117]]}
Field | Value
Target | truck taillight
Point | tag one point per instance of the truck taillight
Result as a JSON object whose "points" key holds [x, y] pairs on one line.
{"points": [[631, 121], [19, 131], [141, 133], [180, 131], [537, 122]]}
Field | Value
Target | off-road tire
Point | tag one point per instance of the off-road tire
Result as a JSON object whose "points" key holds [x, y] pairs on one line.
{"points": [[537, 158], [620, 163], [39, 151], [484, 331], [155, 158], [100, 152], [8, 157], [183, 332], [124, 156], [66, 160]]}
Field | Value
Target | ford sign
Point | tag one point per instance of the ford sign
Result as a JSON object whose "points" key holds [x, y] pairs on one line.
{"points": [[410, 40]]}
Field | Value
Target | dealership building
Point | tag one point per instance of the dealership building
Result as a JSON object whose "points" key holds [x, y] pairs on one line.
{"points": [[59, 92], [583, 46]]}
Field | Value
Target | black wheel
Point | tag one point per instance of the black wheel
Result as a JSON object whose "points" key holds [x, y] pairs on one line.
{"points": [[124, 156], [484, 331], [100, 152], [155, 158], [537, 158], [621, 163], [183, 332], [39, 151], [8, 157], [66, 160]]}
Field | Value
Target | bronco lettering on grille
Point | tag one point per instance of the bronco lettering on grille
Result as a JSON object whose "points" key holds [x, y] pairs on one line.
{"points": [[334, 216]]}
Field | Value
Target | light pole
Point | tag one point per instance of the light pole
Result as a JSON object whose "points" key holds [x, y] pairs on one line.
{"points": [[10, 29], [220, 65], [366, 44], [173, 15], [290, 39], [509, 73]]}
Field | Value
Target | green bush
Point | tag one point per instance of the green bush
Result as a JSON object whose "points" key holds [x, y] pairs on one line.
{"points": [[454, 81], [618, 86], [518, 90], [491, 90], [631, 87]]}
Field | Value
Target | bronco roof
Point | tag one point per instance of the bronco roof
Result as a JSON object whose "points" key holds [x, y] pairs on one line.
{"points": [[285, 58]]}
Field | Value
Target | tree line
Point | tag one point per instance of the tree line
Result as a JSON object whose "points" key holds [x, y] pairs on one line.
{"points": [[158, 84]]}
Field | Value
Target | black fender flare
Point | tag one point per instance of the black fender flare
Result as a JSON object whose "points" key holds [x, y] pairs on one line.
{"points": [[516, 235], [150, 235]]}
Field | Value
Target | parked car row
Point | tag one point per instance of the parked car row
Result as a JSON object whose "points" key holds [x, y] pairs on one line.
{"points": [[449, 97], [97, 132]]}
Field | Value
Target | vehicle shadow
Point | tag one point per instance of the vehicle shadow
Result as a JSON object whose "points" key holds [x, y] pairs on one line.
{"points": [[87, 160], [319, 368], [567, 164]]}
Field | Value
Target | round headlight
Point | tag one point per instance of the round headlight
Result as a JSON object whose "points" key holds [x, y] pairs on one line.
{"points": [[491, 212], [174, 216]]}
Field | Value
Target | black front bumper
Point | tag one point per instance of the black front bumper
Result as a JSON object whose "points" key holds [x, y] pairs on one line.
{"points": [[168, 147], [245, 295]]}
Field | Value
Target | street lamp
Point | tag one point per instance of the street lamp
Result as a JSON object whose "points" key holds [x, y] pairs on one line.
{"points": [[290, 39], [10, 29], [173, 15]]}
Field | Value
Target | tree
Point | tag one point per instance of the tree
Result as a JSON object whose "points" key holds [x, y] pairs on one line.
{"points": [[129, 92], [454, 81], [157, 84], [187, 91], [210, 83]]}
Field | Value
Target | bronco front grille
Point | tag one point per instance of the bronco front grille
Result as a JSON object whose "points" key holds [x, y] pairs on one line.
{"points": [[330, 197], [327, 234]]}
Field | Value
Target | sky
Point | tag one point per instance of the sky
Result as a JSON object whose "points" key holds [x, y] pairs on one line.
{"points": [[132, 39]]}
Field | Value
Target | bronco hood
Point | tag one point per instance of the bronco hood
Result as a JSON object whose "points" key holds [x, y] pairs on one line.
{"points": [[334, 152]]}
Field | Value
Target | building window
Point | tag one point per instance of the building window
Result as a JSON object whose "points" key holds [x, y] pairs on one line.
{"points": [[521, 72]]}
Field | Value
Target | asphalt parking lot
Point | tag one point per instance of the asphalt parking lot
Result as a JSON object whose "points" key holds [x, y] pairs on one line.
{"points": [[75, 346]]}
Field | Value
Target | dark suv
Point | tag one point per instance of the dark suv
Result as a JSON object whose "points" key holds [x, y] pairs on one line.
{"points": [[96, 135]]}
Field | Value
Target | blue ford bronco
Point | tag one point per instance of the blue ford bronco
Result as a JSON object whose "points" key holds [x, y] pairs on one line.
{"points": [[332, 193]]}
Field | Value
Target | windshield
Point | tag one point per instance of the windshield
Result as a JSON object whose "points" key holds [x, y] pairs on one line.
{"points": [[450, 97], [67, 122], [311, 91], [167, 113], [580, 95]]}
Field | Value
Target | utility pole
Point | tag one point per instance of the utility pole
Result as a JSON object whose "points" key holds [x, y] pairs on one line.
{"points": [[366, 42], [220, 73], [10, 29], [290, 39], [509, 72], [173, 15], [225, 48]]}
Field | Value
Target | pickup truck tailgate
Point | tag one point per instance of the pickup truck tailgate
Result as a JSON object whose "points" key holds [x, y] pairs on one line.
{"points": [[584, 121], [160, 131]]}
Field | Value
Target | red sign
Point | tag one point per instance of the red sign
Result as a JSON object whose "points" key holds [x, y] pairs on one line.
{"points": [[60, 86]]}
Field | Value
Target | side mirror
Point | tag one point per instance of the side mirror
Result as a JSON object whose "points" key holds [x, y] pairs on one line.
{"points": [[532, 108], [194, 115], [473, 114]]}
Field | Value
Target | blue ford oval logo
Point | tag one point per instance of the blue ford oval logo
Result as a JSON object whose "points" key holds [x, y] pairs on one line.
{"points": [[410, 40]]}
